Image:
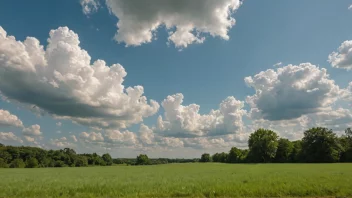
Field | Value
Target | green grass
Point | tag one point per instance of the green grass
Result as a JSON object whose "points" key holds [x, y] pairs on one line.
{"points": [[181, 180]]}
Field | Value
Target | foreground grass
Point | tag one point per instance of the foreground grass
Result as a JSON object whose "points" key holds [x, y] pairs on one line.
{"points": [[181, 180]]}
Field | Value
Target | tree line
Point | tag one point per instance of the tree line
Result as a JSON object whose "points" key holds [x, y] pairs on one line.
{"points": [[318, 145], [33, 157]]}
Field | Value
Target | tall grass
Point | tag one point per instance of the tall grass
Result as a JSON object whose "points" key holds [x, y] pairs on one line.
{"points": [[181, 180]]}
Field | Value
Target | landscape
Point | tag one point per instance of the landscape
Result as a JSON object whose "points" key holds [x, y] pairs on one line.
{"points": [[175, 98]]}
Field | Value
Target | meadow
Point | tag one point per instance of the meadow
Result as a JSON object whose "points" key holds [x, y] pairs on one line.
{"points": [[181, 180]]}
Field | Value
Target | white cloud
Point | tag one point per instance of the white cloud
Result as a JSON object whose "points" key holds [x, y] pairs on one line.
{"points": [[8, 119], [91, 137], [343, 57], [59, 124], [33, 130], [61, 143], [73, 137], [89, 6], [290, 92], [185, 121], [9, 137], [120, 138], [350, 7], [68, 85], [277, 64], [187, 21], [29, 139]]}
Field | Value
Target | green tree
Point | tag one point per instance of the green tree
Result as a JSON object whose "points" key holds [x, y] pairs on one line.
{"points": [[205, 158], [284, 150], [81, 161], [296, 154], [235, 155], [142, 159], [346, 144], [32, 163], [320, 145], [262, 145], [17, 163], [3, 164], [107, 158]]}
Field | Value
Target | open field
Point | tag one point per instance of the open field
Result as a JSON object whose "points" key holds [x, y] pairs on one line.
{"points": [[181, 180]]}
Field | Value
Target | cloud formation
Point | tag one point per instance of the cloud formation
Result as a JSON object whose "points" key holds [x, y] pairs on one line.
{"points": [[290, 92], [8, 119], [185, 121], [186, 21], [68, 85], [9, 137], [343, 57], [89, 6], [33, 130]]}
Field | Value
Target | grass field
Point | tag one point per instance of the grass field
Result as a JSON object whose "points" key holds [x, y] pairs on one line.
{"points": [[181, 180]]}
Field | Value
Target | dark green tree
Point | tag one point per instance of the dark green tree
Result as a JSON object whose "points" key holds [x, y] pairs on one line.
{"points": [[320, 145], [205, 158], [3, 164], [235, 155], [142, 159], [81, 161], [262, 145], [17, 163], [284, 151], [296, 154], [32, 163], [107, 158]]}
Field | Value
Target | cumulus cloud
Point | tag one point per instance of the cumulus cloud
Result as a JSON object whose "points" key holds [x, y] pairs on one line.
{"points": [[8, 119], [290, 92], [58, 124], [89, 6], [68, 85], [91, 137], [9, 137], [60, 143], [187, 21], [33, 130], [73, 137], [121, 138], [343, 57], [29, 139], [185, 121], [350, 7]]}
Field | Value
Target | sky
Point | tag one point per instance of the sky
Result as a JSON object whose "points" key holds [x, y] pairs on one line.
{"points": [[171, 78]]}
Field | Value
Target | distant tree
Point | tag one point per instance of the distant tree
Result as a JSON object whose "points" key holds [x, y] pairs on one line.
{"points": [[205, 158], [262, 145], [346, 144], [81, 161], [32, 163], [5, 155], [118, 161], [60, 163], [107, 158], [17, 163], [142, 159], [235, 155], [2, 145], [284, 150], [296, 154], [320, 145], [3, 164]]}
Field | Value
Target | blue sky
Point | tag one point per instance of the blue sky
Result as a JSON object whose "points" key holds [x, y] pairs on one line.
{"points": [[265, 33]]}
